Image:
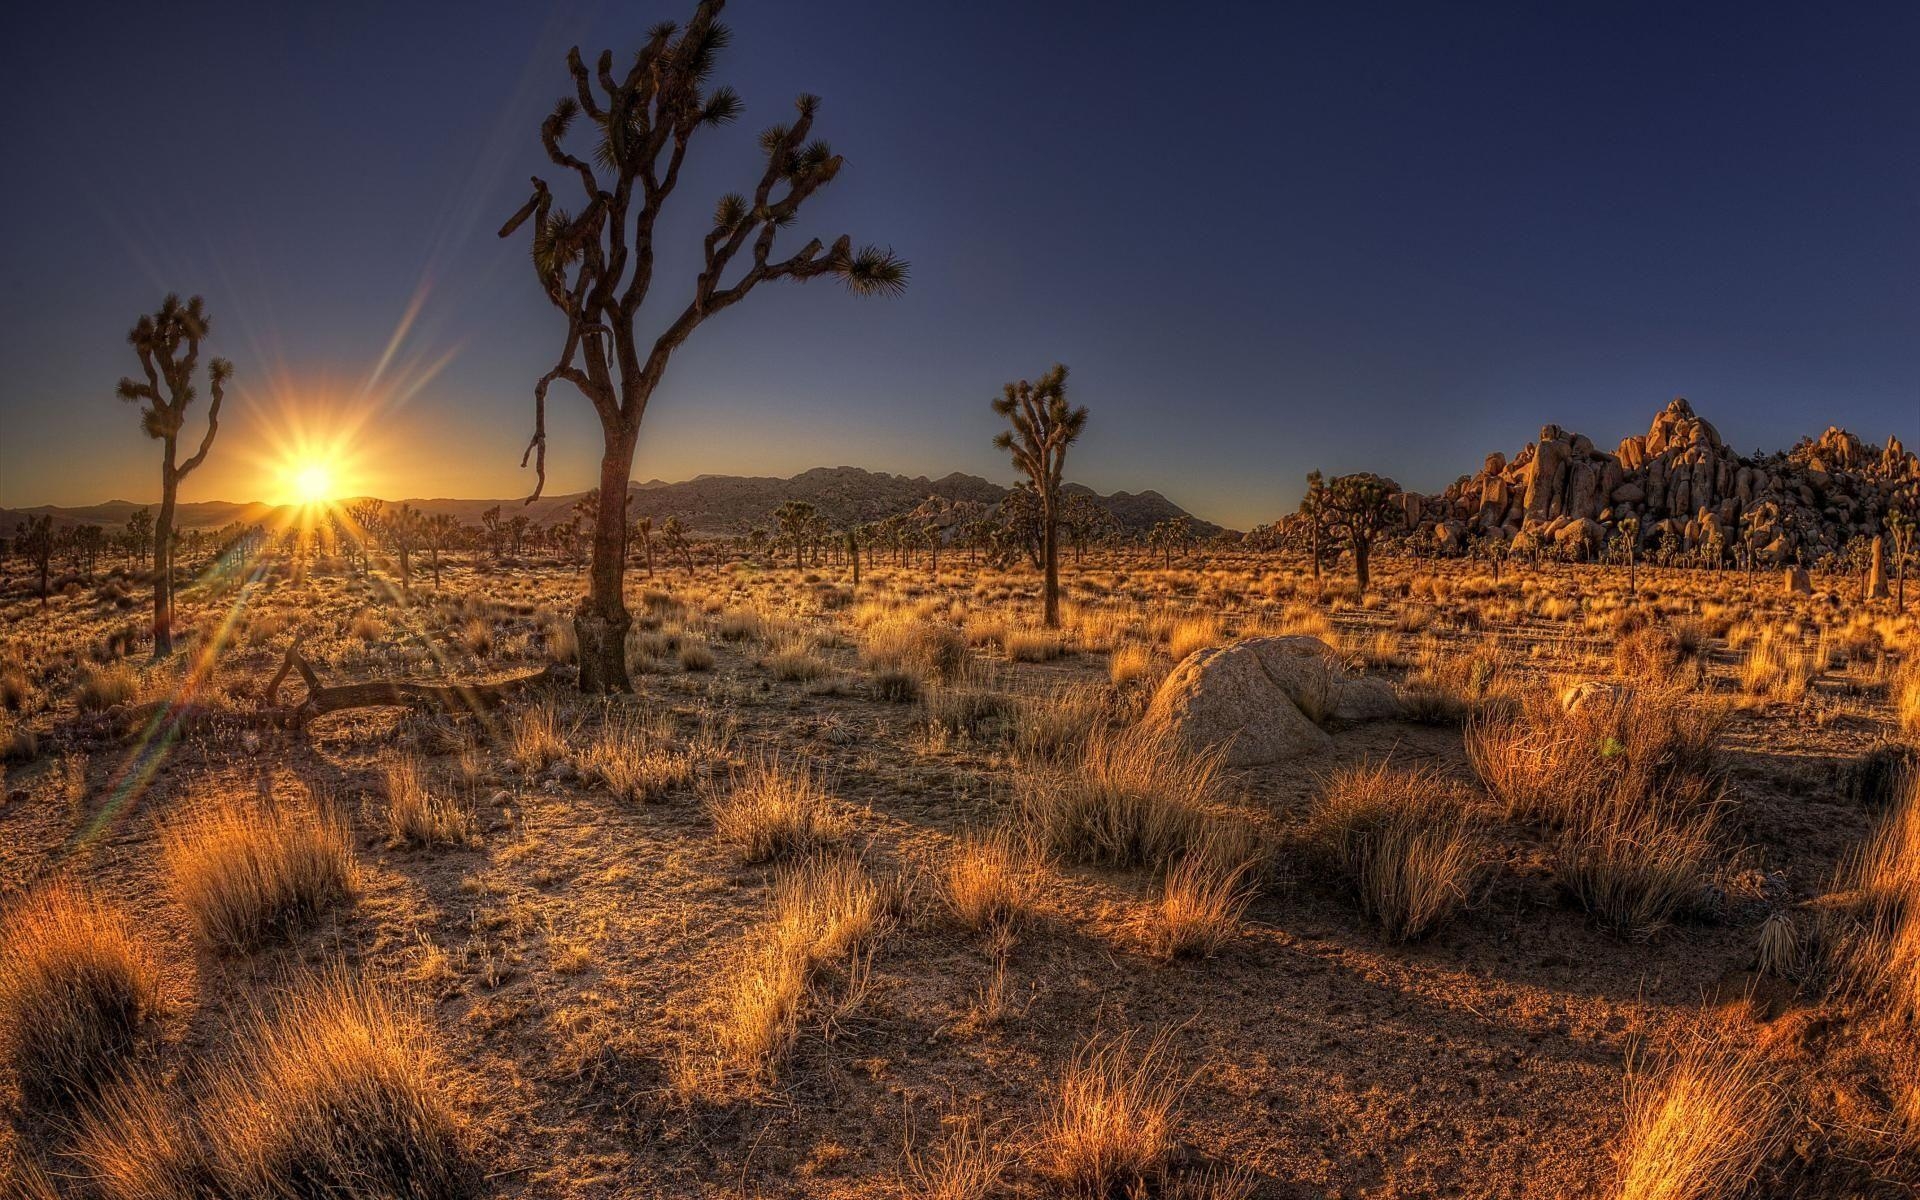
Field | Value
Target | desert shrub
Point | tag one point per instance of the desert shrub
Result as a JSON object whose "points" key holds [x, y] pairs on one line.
{"points": [[1699, 1124], [968, 710], [535, 738], [1884, 869], [1548, 760], [248, 873], [741, 624], [1875, 778], [1193, 633], [773, 811], [991, 883], [563, 645], [78, 995], [1129, 663], [1404, 842], [1109, 1128], [137, 1142], [1201, 901], [1779, 668], [1054, 725], [1635, 864], [340, 1093], [1448, 689], [1028, 644], [1136, 797], [417, 814], [825, 913], [636, 759], [899, 684], [101, 688], [900, 642], [696, 656], [15, 687], [1906, 698], [796, 664]]}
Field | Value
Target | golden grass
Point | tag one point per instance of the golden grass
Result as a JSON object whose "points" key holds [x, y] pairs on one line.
{"points": [[1129, 663], [1698, 1125], [340, 1093], [773, 811], [1405, 844], [969, 1162], [1052, 726], [535, 738], [416, 814], [1193, 633], [991, 882], [636, 759], [1201, 902], [825, 912], [1034, 645], [1135, 798], [101, 688], [138, 1142], [900, 641], [247, 873], [78, 995], [1109, 1127], [1636, 865]]}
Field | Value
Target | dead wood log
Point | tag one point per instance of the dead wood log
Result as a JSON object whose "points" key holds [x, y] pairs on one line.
{"points": [[321, 700]]}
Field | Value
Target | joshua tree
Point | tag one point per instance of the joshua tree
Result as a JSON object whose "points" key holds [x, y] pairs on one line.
{"points": [[674, 532], [1313, 507], [1043, 426], [496, 530], [362, 526], [795, 518], [34, 537], [168, 345], [403, 529], [853, 555], [1359, 507], [1630, 546], [642, 528], [1900, 531], [597, 267], [441, 531], [138, 537]]}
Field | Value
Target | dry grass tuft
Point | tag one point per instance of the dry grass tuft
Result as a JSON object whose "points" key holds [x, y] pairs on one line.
{"points": [[1698, 1126], [248, 873], [991, 883], [416, 814], [1053, 726], [78, 995], [137, 1142], [1201, 903], [1109, 1130], [968, 1163], [636, 759], [825, 913], [1404, 842], [1029, 644], [339, 1094], [1129, 663], [101, 688], [536, 738], [772, 811], [1135, 798]]}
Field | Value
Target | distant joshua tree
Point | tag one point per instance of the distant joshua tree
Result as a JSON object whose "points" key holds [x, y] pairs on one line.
{"points": [[168, 345], [1043, 426], [403, 529], [441, 532], [34, 538], [1359, 507], [674, 533], [643, 529], [795, 519], [597, 267]]}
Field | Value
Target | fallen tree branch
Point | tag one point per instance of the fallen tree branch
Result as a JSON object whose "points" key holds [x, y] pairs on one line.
{"points": [[321, 700]]}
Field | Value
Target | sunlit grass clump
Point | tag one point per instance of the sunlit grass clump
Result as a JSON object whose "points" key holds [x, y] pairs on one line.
{"points": [[78, 995], [248, 873]]}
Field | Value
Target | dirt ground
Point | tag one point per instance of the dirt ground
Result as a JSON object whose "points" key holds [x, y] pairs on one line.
{"points": [[571, 955]]}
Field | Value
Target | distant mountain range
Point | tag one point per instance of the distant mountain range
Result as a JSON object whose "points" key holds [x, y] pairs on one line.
{"points": [[709, 504]]}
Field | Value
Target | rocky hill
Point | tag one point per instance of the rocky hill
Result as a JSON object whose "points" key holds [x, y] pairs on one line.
{"points": [[709, 504], [1680, 481]]}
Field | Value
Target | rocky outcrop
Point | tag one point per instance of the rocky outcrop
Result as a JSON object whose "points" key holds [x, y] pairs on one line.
{"points": [[1253, 698], [1683, 487]]}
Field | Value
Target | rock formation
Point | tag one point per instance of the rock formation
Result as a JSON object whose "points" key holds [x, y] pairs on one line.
{"points": [[1253, 697], [1683, 485]]}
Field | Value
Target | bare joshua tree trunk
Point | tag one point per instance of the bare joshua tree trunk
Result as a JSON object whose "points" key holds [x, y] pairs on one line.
{"points": [[596, 265], [163, 559]]}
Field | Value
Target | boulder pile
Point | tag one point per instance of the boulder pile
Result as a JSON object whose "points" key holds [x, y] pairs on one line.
{"points": [[1682, 486]]}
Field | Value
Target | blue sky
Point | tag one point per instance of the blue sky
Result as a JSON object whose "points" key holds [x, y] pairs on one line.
{"points": [[1265, 237]]}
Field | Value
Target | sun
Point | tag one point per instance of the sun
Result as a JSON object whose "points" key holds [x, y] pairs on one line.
{"points": [[311, 482]]}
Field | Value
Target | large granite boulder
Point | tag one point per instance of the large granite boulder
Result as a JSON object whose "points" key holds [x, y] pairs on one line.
{"points": [[1254, 698]]}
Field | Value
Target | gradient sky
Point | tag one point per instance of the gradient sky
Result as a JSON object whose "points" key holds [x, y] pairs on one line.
{"points": [[1266, 238]]}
